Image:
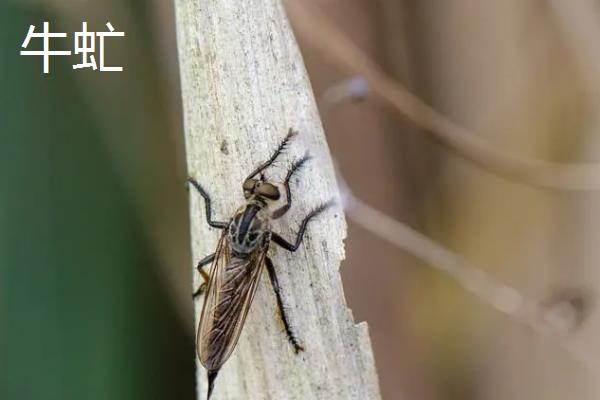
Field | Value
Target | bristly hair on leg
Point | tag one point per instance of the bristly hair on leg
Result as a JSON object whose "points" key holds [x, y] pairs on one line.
{"points": [[282, 146], [288, 138], [297, 165], [211, 375], [318, 210]]}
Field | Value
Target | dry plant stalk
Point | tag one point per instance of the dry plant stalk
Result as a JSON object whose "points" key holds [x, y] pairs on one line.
{"points": [[555, 319], [243, 85], [314, 28]]}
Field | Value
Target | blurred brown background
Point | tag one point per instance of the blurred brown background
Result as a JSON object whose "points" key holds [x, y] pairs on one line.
{"points": [[96, 271]]}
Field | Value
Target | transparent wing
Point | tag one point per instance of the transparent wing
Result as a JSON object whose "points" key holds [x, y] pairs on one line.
{"points": [[231, 288]]}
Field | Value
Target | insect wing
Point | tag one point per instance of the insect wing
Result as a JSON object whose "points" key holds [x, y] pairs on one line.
{"points": [[232, 285]]}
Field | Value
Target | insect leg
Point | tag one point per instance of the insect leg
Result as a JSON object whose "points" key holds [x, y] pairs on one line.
{"points": [[294, 246], [275, 283], [206, 260], [294, 168], [291, 133], [208, 201]]}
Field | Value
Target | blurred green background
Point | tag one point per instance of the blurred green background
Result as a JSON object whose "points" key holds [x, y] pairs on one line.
{"points": [[89, 168]]}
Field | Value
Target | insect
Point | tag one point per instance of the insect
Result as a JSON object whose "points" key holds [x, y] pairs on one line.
{"points": [[239, 260]]}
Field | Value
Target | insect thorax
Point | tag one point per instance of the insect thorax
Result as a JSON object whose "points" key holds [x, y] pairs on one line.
{"points": [[248, 228]]}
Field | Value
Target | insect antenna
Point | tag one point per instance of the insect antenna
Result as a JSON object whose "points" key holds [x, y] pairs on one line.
{"points": [[212, 375]]}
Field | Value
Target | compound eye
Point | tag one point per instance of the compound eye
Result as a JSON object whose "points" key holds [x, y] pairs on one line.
{"points": [[249, 184], [269, 191]]}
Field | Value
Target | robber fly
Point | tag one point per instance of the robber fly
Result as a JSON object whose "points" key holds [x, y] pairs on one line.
{"points": [[238, 261]]}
